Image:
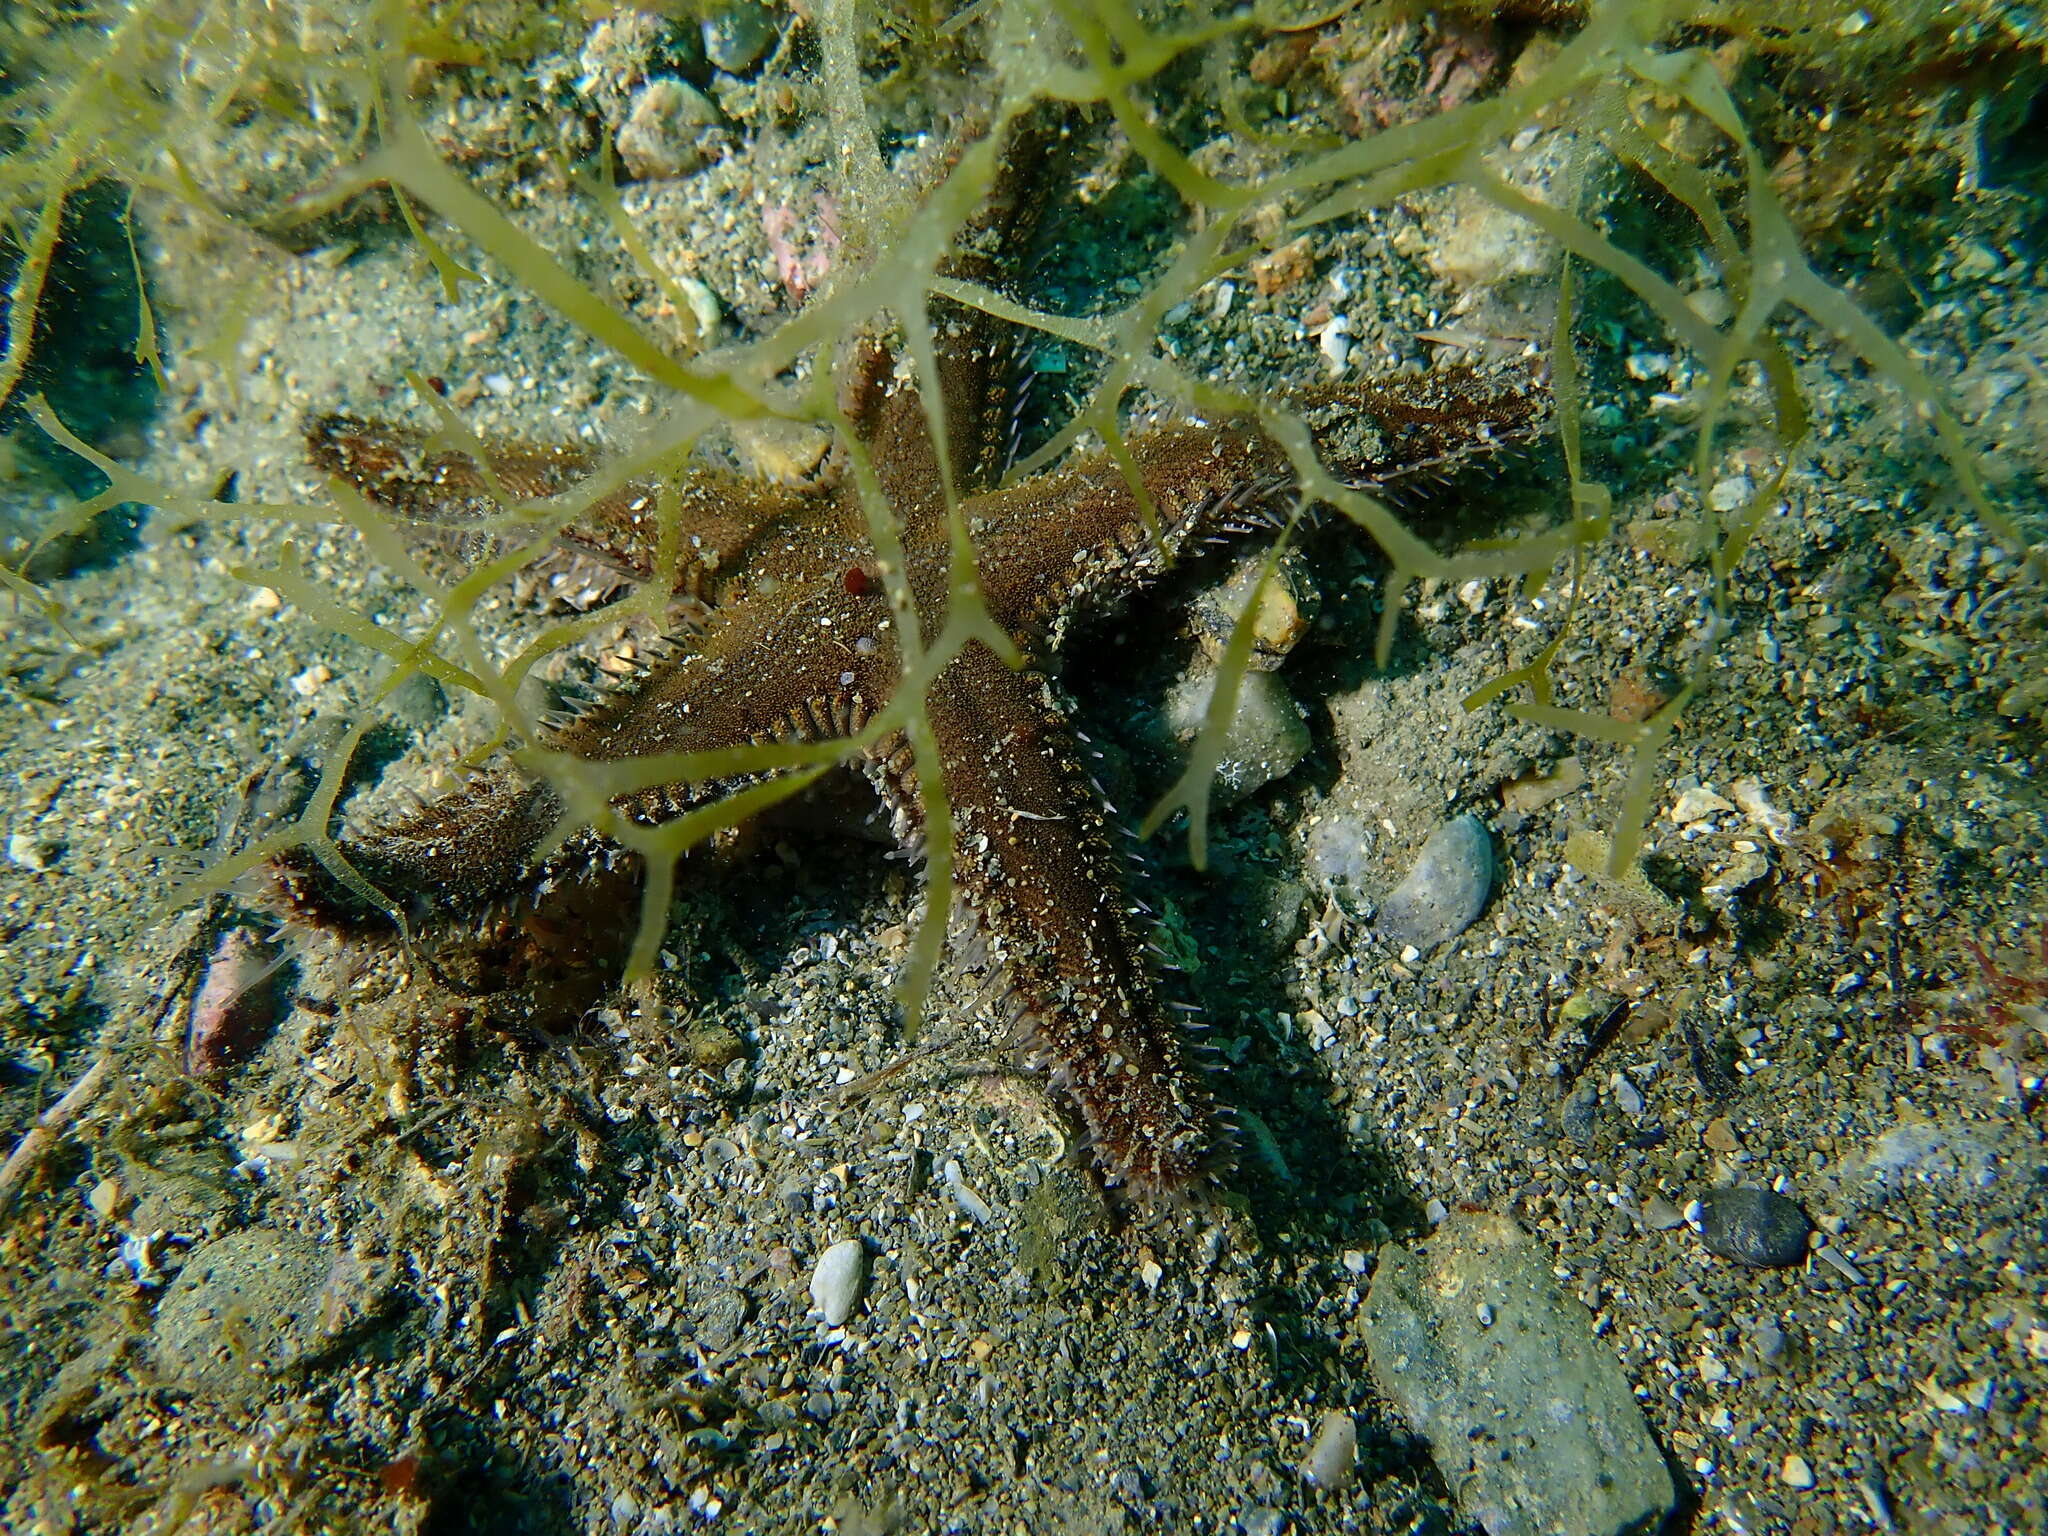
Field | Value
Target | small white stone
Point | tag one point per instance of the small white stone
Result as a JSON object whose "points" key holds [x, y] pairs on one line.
{"points": [[28, 851], [1726, 495], [311, 681], [1335, 343], [1696, 804], [1796, 1473], [1756, 805], [704, 306], [1334, 1455], [838, 1280], [264, 600]]}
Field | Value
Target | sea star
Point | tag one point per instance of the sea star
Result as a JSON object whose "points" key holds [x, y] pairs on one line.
{"points": [[798, 641]]}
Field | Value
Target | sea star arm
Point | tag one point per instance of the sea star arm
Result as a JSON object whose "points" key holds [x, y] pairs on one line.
{"points": [[1035, 861], [445, 491], [1074, 541], [759, 674]]}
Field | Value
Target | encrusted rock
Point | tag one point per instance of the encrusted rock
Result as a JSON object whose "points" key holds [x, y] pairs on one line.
{"points": [[1528, 1416], [665, 132], [258, 1304], [1288, 605]]}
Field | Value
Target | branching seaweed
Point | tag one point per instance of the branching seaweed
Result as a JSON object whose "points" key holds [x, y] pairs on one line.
{"points": [[1111, 56]]}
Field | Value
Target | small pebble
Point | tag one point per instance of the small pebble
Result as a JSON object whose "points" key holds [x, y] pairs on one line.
{"points": [[1696, 804], [964, 1195], [1661, 1213], [737, 34], [1768, 1339], [1446, 890], [1796, 1473], [1753, 1226], [309, 682], [1626, 1094], [1335, 1452], [838, 1280], [28, 852], [1581, 1114]]}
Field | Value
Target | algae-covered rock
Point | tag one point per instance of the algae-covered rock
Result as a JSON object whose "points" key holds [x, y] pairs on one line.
{"points": [[258, 1304], [1527, 1415]]}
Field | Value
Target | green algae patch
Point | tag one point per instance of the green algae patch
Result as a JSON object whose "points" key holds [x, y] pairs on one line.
{"points": [[1639, 104]]}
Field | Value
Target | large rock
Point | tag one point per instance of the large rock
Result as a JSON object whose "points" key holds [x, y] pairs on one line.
{"points": [[1528, 1416]]}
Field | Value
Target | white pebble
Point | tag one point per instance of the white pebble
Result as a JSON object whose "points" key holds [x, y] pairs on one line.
{"points": [[963, 1196], [1335, 1453], [1796, 1473], [1696, 804], [311, 681], [837, 1282], [27, 851]]}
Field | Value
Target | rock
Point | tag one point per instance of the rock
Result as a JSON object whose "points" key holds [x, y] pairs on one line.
{"points": [[838, 1280], [1753, 1226], [1288, 605], [1796, 1473], [1696, 803], [258, 1304], [719, 1317], [1335, 1453], [1581, 1115], [1476, 243], [737, 34], [1958, 1160], [1661, 1214], [1446, 890], [1528, 1417], [1267, 735], [1339, 846], [624, 52], [27, 851], [664, 133]]}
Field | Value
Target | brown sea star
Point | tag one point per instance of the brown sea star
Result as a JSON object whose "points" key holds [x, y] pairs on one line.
{"points": [[799, 640]]}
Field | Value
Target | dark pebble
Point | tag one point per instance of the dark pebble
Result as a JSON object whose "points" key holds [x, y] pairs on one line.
{"points": [[1753, 1226], [1581, 1115]]}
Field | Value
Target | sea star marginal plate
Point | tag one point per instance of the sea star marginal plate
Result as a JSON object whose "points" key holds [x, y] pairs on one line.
{"points": [[798, 640]]}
